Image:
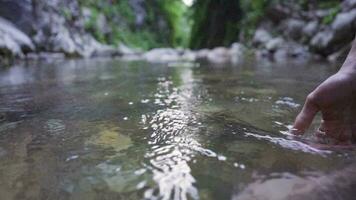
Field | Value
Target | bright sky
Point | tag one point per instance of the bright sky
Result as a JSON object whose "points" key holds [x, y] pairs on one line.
{"points": [[188, 2]]}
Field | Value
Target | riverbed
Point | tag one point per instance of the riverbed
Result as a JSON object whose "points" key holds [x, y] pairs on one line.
{"points": [[111, 129]]}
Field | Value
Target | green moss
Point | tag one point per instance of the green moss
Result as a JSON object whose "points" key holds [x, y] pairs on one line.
{"points": [[330, 18]]}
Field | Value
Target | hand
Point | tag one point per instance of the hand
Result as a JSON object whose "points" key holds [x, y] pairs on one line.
{"points": [[336, 100]]}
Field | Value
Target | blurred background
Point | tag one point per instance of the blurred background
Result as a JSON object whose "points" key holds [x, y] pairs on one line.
{"points": [[84, 27]]}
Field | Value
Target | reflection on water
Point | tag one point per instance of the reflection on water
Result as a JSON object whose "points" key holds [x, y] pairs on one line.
{"points": [[106, 129], [174, 139]]}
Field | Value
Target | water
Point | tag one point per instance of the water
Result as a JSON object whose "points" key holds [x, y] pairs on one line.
{"points": [[108, 129]]}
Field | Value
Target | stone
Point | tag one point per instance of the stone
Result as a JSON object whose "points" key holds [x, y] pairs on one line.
{"points": [[12, 40], [20, 13], [293, 28], [219, 55], [102, 24], [311, 28], [345, 23], [322, 41], [237, 52], [162, 55], [339, 56], [347, 5], [261, 37], [202, 55], [274, 44]]}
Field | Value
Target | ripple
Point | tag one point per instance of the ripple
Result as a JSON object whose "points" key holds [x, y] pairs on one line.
{"points": [[55, 126], [174, 142], [289, 144]]}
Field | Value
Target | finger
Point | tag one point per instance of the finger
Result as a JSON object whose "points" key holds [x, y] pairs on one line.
{"points": [[306, 116]]}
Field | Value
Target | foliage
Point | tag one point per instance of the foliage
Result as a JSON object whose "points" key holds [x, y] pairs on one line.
{"points": [[178, 19], [333, 12], [165, 23], [253, 12], [215, 23]]}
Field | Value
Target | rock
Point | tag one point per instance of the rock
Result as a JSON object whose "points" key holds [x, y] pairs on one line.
{"points": [[293, 28], [62, 42], [345, 23], [45, 56], [125, 50], [310, 29], [347, 5], [274, 44], [322, 41], [20, 13], [102, 24], [162, 55], [237, 52], [277, 13], [340, 56], [341, 32], [219, 55], [13, 41], [202, 55], [261, 37]]}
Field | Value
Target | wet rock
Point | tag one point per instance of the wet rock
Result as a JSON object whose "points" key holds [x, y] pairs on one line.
{"points": [[322, 41], [261, 37], [274, 44], [45, 56], [341, 32], [102, 24], [125, 50], [345, 24], [162, 55], [293, 28], [219, 55], [347, 5], [277, 13], [311, 29], [13, 41], [19, 12], [237, 52], [340, 55], [202, 55]]}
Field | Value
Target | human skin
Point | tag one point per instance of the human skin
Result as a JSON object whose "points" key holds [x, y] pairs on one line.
{"points": [[335, 98]]}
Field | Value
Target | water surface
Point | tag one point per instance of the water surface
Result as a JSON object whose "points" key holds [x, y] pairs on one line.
{"points": [[108, 129]]}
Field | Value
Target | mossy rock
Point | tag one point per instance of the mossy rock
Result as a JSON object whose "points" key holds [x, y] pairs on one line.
{"points": [[110, 137]]}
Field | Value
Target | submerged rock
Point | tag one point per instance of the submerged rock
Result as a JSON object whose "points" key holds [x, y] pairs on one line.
{"points": [[110, 137]]}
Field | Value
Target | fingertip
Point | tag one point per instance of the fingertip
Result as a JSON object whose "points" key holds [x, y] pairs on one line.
{"points": [[305, 117]]}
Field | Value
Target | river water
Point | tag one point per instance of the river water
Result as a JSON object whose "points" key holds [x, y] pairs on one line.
{"points": [[109, 129]]}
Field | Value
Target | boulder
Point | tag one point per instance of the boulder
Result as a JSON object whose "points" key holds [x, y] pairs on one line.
{"points": [[237, 53], [322, 41], [347, 5], [274, 44], [333, 38], [162, 55], [20, 13], [13, 41], [345, 23], [219, 55], [310, 29], [293, 28], [261, 37]]}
